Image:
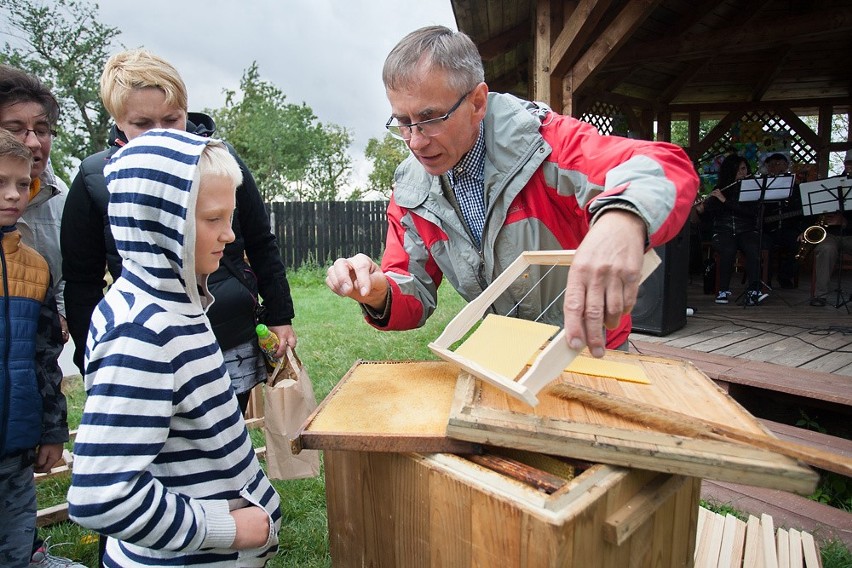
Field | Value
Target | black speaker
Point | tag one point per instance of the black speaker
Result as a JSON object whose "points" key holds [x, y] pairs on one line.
{"points": [[661, 304]]}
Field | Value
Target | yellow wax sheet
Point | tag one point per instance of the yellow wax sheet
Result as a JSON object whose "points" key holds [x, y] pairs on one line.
{"points": [[504, 345], [610, 369]]}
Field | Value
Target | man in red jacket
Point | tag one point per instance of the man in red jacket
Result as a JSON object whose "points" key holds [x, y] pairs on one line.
{"points": [[491, 176]]}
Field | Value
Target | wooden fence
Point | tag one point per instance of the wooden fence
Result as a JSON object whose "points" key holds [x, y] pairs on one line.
{"points": [[320, 231]]}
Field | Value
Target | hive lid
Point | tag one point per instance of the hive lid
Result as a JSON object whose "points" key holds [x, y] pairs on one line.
{"points": [[482, 413]]}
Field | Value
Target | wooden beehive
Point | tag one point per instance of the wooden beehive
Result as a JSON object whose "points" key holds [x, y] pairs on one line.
{"points": [[390, 504], [402, 492], [405, 509]]}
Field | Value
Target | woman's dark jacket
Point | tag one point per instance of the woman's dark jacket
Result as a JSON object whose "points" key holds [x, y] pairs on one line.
{"points": [[732, 216], [88, 247]]}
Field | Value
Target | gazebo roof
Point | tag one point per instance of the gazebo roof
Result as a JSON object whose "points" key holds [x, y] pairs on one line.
{"points": [[677, 55]]}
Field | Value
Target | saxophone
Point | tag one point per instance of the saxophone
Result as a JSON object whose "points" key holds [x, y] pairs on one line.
{"points": [[811, 237]]}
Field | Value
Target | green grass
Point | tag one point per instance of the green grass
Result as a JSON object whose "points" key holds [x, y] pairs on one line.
{"points": [[332, 336], [722, 509]]}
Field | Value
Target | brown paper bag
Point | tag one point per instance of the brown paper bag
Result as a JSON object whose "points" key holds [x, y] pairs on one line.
{"points": [[288, 402]]}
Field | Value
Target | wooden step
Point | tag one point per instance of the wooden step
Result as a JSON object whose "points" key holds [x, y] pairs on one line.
{"points": [[804, 383], [838, 446]]}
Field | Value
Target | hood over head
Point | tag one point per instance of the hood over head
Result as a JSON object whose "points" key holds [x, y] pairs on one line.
{"points": [[153, 183], [196, 122]]}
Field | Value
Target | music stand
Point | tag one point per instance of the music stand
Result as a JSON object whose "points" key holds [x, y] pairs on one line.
{"points": [[827, 196], [761, 190]]}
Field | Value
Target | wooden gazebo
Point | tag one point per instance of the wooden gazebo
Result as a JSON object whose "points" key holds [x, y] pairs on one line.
{"points": [[766, 71]]}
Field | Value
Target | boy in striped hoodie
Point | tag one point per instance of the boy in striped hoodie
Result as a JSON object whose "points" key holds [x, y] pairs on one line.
{"points": [[163, 463]]}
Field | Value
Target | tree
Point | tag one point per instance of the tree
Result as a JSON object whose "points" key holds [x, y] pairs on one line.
{"points": [[62, 43], [386, 154], [839, 133], [680, 131], [330, 166], [287, 150]]}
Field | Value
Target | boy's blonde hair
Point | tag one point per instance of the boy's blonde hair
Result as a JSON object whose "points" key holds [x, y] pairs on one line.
{"points": [[216, 160], [138, 69], [11, 147]]}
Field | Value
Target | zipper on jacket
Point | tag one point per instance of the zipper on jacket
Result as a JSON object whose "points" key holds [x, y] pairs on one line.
{"points": [[480, 273], [7, 375]]}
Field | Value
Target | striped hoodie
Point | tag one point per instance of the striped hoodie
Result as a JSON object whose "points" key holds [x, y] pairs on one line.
{"points": [[162, 453]]}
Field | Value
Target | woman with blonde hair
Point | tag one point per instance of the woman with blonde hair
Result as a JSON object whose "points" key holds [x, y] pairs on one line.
{"points": [[142, 91]]}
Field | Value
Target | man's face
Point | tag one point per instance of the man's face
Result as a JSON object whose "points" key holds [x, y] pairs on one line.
{"points": [[14, 189], [429, 96], [145, 109], [30, 116], [214, 210]]}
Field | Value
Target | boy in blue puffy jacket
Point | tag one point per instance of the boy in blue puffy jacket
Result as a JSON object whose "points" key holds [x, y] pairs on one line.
{"points": [[33, 421]]}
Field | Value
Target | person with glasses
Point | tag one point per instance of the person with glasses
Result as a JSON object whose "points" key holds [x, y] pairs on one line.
{"points": [[30, 112], [491, 176]]}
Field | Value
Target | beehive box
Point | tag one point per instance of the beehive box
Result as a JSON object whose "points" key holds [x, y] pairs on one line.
{"points": [[392, 504], [406, 509]]}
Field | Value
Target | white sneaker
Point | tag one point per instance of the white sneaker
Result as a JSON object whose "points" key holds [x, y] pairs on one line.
{"points": [[724, 297], [42, 558]]}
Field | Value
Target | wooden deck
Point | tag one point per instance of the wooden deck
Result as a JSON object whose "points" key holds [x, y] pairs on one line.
{"points": [[777, 359], [785, 329]]}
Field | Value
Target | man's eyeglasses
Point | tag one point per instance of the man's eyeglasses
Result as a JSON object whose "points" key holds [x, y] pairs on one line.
{"points": [[431, 127], [41, 131]]}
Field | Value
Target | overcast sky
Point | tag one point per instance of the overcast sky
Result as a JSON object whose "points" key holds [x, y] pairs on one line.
{"points": [[325, 53]]}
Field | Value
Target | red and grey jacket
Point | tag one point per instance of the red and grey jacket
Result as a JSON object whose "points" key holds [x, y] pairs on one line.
{"points": [[32, 406], [546, 177]]}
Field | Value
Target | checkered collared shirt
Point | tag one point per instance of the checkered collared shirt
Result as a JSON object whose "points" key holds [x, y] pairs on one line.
{"points": [[468, 185]]}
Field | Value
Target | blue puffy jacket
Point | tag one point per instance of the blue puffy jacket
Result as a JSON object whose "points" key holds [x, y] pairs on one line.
{"points": [[32, 406]]}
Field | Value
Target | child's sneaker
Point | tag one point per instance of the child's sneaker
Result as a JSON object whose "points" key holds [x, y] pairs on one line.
{"points": [[723, 297], [43, 559]]}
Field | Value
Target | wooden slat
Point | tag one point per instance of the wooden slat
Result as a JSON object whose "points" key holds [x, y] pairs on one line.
{"points": [[52, 515], [809, 551], [795, 541], [621, 525], [770, 552], [707, 549], [54, 472], [733, 538], [524, 473], [753, 553], [782, 548], [703, 515], [680, 423]]}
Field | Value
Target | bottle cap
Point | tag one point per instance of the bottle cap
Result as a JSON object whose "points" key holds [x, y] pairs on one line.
{"points": [[261, 330]]}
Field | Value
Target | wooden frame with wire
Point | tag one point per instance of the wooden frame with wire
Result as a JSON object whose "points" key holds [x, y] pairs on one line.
{"points": [[553, 358]]}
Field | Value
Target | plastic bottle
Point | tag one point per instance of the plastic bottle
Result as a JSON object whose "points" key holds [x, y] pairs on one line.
{"points": [[268, 342]]}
